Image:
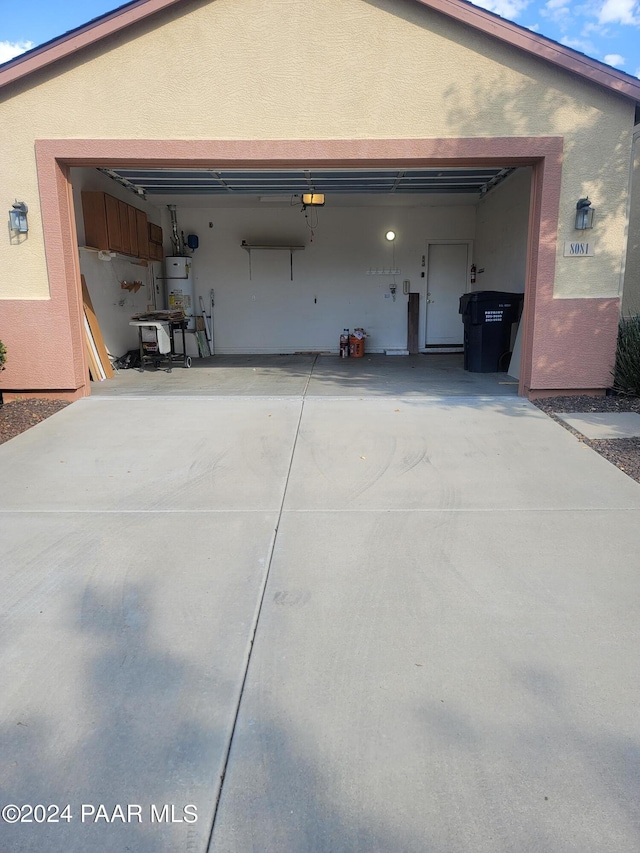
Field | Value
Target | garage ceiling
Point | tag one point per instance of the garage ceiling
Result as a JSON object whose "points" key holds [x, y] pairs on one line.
{"points": [[239, 182]]}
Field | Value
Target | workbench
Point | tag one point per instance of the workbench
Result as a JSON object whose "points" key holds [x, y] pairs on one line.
{"points": [[162, 350]]}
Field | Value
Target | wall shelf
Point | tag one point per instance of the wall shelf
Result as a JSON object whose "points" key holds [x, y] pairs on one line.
{"points": [[254, 247], [131, 259]]}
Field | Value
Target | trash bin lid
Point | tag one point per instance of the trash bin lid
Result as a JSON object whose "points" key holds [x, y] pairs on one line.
{"points": [[500, 298], [490, 306], [490, 295]]}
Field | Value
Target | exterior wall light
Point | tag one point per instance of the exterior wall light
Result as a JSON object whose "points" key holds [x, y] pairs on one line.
{"points": [[390, 235], [18, 217], [584, 214]]}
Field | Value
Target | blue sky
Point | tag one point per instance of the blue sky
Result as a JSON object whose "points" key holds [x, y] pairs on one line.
{"points": [[608, 30]]}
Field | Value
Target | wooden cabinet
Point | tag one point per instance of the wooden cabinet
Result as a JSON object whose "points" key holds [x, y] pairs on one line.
{"points": [[155, 233], [155, 242], [95, 220], [115, 226], [112, 212], [125, 237], [143, 234], [132, 226], [155, 252]]}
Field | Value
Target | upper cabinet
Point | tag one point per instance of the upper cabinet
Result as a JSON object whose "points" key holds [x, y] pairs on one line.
{"points": [[116, 226], [141, 230], [155, 242]]}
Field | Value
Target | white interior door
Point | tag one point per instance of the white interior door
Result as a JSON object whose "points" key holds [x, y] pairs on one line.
{"points": [[447, 277]]}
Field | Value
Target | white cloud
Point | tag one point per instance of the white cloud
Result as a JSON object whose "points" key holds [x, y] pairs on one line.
{"points": [[505, 8], [534, 28], [560, 15], [594, 29], [638, 73], [579, 44], [559, 11], [9, 49], [619, 12], [614, 59]]}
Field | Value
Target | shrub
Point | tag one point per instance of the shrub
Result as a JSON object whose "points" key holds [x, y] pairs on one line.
{"points": [[626, 374], [3, 355]]}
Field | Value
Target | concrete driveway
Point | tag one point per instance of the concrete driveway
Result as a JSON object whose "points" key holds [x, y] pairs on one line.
{"points": [[444, 596]]}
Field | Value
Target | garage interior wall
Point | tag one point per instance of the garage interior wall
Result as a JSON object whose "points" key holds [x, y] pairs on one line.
{"points": [[113, 305], [337, 278], [501, 235]]}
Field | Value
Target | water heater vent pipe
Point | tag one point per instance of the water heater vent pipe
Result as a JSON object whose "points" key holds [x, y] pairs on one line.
{"points": [[178, 249]]}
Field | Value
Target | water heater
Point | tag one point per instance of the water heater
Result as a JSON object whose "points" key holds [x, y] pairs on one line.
{"points": [[180, 287]]}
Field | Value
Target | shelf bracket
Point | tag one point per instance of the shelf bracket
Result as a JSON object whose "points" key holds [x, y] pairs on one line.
{"points": [[249, 248]]}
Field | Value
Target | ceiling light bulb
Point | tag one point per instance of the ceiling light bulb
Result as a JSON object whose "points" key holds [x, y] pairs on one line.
{"points": [[390, 235]]}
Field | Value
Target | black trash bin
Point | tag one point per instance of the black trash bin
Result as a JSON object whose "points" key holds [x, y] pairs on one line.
{"points": [[488, 316]]}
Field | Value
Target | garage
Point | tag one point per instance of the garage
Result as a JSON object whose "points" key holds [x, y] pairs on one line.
{"points": [[386, 250], [475, 151]]}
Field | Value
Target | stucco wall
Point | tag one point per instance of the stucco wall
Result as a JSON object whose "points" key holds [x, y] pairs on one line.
{"points": [[383, 70], [631, 295], [501, 235]]}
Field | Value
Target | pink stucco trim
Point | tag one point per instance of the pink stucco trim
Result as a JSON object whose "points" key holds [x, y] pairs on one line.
{"points": [[570, 343], [567, 343], [466, 13], [506, 151], [574, 344], [44, 337], [567, 392], [53, 394]]}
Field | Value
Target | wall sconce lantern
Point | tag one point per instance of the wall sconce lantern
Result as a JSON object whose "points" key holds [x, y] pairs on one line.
{"points": [[584, 214], [18, 217]]}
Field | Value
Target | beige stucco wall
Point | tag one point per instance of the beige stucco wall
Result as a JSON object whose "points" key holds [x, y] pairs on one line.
{"points": [[340, 69], [631, 296]]}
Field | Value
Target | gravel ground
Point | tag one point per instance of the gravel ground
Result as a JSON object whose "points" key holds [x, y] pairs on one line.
{"points": [[623, 452], [22, 414]]}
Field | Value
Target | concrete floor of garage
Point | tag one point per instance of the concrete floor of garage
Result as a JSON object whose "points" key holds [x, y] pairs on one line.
{"points": [[276, 375]]}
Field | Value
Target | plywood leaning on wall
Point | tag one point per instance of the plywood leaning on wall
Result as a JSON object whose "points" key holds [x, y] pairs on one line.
{"points": [[99, 363]]}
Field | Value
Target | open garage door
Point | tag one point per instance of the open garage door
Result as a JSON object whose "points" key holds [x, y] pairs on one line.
{"points": [[287, 276]]}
